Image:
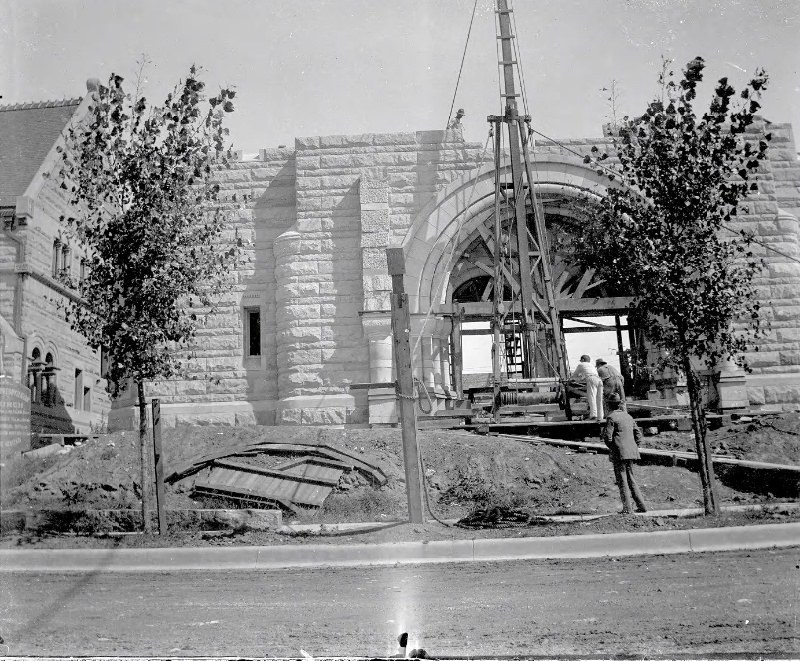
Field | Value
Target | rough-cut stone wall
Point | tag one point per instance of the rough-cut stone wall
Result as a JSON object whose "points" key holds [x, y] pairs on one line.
{"points": [[221, 384], [773, 217], [318, 219]]}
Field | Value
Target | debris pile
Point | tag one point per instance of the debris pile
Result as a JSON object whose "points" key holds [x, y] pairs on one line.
{"points": [[304, 481]]}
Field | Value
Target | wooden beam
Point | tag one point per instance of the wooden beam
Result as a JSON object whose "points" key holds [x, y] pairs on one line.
{"points": [[570, 306], [401, 331], [595, 305]]}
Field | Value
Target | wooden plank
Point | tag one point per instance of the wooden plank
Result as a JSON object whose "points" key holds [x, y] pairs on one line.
{"points": [[605, 304], [235, 465], [377, 471], [315, 460], [244, 496], [284, 486]]}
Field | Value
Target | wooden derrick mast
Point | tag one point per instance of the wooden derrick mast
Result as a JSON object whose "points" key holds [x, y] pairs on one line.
{"points": [[529, 327]]}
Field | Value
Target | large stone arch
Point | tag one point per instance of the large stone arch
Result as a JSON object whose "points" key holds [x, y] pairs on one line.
{"points": [[458, 210]]}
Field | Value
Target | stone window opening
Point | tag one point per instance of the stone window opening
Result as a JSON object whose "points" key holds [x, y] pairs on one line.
{"points": [[78, 400], [65, 255], [56, 258], [35, 375], [252, 332], [49, 385]]}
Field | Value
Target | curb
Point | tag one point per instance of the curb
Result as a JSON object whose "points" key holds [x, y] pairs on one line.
{"points": [[400, 553]]}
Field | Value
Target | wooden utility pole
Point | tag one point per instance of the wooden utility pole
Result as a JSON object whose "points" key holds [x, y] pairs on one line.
{"points": [[401, 331], [159, 468]]}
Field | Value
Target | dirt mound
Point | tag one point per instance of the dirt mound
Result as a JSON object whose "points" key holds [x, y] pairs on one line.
{"points": [[770, 439], [462, 471]]}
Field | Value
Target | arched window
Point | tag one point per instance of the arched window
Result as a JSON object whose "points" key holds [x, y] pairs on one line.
{"points": [[35, 375]]}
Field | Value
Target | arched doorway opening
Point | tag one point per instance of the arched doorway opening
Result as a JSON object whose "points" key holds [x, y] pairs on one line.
{"points": [[449, 256]]}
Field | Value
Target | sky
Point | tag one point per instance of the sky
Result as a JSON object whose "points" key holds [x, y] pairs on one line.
{"points": [[321, 67]]}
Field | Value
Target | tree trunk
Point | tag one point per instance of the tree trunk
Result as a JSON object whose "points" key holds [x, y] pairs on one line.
{"points": [[146, 505], [706, 468]]}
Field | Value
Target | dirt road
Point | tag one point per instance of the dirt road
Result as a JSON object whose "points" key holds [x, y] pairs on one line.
{"points": [[697, 604]]}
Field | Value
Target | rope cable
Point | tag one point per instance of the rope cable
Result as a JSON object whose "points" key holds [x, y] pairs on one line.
{"points": [[518, 57], [461, 68]]}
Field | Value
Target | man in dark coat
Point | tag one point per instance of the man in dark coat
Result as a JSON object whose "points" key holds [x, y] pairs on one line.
{"points": [[622, 436]]}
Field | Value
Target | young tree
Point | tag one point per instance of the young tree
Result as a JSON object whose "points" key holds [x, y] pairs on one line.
{"points": [[666, 231], [140, 180]]}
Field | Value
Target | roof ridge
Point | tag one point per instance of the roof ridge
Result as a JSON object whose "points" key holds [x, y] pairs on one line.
{"points": [[30, 105]]}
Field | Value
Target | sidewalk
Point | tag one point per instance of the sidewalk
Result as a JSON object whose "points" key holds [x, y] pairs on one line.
{"points": [[353, 555]]}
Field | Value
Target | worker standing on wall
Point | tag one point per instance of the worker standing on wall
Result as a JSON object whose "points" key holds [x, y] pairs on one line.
{"points": [[585, 373], [613, 383], [622, 436]]}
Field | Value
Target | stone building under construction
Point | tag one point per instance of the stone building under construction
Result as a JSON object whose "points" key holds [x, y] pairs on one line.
{"points": [[307, 314]]}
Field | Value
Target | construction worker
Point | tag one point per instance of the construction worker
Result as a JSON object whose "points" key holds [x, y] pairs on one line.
{"points": [[622, 436], [456, 123], [612, 382], [585, 373]]}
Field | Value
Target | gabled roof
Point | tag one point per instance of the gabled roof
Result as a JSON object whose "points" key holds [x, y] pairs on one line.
{"points": [[28, 132]]}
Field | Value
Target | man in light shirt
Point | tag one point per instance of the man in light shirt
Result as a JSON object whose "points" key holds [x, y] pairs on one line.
{"points": [[586, 373]]}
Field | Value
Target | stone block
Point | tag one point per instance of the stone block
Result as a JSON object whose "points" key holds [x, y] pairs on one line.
{"points": [[377, 301], [373, 192], [289, 417], [295, 269], [297, 312], [300, 290], [294, 357], [788, 334], [374, 259], [324, 416], [764, 359], [337, 141], [342, 309], [245, 419], [781, 394], [790, 357], [189, 388], [394, 138], [202, 419], [784, 270], [378, 282], [375, 239], [755, 395], [375, 220]]}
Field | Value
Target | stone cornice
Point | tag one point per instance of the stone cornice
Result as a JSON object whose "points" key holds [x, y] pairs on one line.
{"points": [[25, 269]]}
